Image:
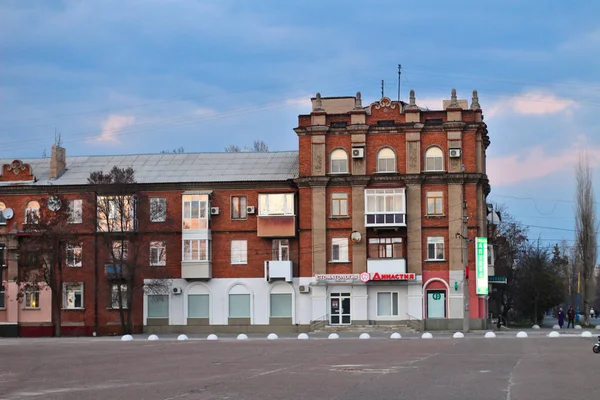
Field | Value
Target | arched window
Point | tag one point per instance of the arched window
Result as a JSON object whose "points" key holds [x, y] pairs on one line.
{"points": [[2, 219], [434, 159], [386, 160], [339, 161], [32, 212]]}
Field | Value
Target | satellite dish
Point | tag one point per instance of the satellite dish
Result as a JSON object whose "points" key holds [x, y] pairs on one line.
{"points": [[8, 213], [54, 203]]}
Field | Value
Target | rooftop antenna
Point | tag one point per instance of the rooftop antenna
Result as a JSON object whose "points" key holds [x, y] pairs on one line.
{"points": [[382, 96], [399, 75]]}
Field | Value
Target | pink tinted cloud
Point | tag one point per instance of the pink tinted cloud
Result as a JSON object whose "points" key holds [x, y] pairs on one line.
{"points": [[112, 125], [534, 102]]}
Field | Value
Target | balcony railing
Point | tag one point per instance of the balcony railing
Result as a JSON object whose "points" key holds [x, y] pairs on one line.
{"points": [[278, 270], [388, 219], [386, 265], [276, 226], [196, 270]]}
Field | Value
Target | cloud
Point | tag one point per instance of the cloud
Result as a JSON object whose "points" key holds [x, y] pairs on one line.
{"points": [[535, 162], [112, 125], [533, 102]]}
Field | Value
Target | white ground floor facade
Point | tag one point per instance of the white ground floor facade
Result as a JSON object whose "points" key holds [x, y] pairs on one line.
{"points": [[206, 306]]}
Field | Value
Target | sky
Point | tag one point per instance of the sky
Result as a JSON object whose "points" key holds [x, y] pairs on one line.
{"points": [[143, 76]]}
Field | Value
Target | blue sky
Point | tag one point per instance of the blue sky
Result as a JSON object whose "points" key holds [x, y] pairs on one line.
{"points": [[149, 75]]}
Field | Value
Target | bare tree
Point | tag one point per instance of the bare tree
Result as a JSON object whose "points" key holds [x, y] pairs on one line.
{"points": [[178, 150], [258, 147], [43, 244], [117, 223], [586, 228]]}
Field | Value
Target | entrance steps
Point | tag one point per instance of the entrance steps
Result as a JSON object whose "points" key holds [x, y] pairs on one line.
{"points": [[366, 328]]}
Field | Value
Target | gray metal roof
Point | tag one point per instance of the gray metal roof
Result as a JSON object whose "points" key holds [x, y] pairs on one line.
{"points": [[174, 168]]}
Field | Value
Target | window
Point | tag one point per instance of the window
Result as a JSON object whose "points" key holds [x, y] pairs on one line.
{"points": [[3, 258], [385, 207], [385, 248], [196, 250], [2, 219], [434, 159], [158, 306], [386, 160], [387, 304], [32, 298], [276, 204], [74, 254], [339, 204], [120, 250], [115, 297], [158, 253], [32, 212], [198, 306], [435, 248], [158, 209], [72, 295], [2, 294], [116, 213], [239, 306], [239, 207], [239, 253], [75, 212], [435, 201], [339, 249], [195, 211], [281, 305], [339, 162], [280, 250]]}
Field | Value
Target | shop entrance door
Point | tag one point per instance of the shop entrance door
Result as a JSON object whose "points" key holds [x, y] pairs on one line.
{"points": [[339, 309]]}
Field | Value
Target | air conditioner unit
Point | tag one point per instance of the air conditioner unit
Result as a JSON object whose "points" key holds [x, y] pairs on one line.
{"points": [[454, 153], [214, 211], [176, 290], [304, 289], [358, 152], [250, 210]]}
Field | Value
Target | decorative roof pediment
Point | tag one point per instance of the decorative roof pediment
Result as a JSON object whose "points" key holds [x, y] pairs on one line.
{"points": [[16, 171]]}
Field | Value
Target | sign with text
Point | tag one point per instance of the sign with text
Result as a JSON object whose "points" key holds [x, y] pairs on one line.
{"points": [[337, 277], [482, 265], [393, 277]]}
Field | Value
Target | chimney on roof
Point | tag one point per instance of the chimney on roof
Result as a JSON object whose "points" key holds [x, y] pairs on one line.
{"points": [[58, 161]]}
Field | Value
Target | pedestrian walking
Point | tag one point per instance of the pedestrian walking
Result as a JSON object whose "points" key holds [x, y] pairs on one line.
{"points": [[592, 313], [571, 318], [561, 318]]}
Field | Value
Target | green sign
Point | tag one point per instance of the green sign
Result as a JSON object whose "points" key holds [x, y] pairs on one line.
{"points": [[482, 265]]}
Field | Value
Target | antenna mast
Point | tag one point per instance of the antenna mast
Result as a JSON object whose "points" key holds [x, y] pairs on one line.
{"points": [[382, 96], [399, 76]]}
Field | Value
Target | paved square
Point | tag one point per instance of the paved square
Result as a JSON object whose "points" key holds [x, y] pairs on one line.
{"points": [[379, 368]]}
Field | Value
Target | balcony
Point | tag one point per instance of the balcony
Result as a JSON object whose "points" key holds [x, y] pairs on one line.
{"points": [[385, 207], [276, 226], [379, 220], [196, 270], [386, 266], [278, 270]]}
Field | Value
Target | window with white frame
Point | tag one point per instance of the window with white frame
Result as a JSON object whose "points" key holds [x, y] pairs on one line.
{"points": [[434, 159], [280, 250], [387, 304], [435, 248], [386, 160], [158, 209], [239, 305], [32, 212], [3, 259], [74, 254], [75, 211], [385, 207], [239, 207], [339, 249], [339, 162], [198, 306], [116, 213], [281, 305], [276, 204], [158, 253], [435, 203], [72, 295], [239, 252], [115, 303], [339, 204], [2, 219], [196, 250], [32, 298], [195, 211], [158, 306], [120, 250], [385, 248]]}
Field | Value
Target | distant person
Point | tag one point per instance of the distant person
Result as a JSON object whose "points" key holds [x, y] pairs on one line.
{"points": [[571, 317], [592, 313], [561, 318]]}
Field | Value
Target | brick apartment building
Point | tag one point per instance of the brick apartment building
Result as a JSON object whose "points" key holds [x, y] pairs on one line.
{"points": [[362, 225]]}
